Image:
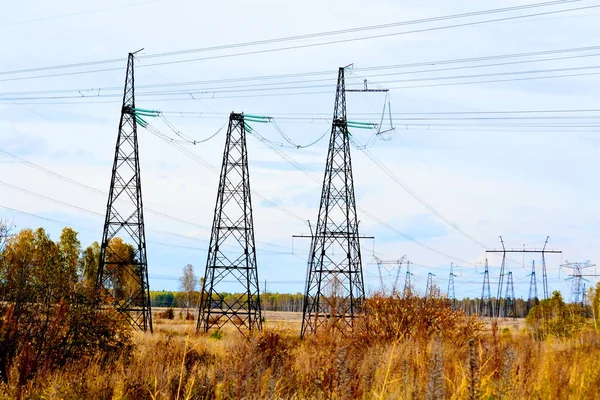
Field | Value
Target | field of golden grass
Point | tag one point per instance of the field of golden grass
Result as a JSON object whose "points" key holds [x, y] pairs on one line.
{"points": [[501, 362]]}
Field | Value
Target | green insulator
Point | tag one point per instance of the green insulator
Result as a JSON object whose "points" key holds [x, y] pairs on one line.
{"points": [[360, 123], [256, 116], [144, 110], [261, 121]]}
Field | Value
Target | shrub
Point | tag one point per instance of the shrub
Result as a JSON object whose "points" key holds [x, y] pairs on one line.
{"points": [[217, 335], [391, 318], [169, 313]]}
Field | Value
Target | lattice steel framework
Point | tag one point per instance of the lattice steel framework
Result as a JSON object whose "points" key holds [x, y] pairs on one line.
{"points": [[231, 263], [499, 299], [533, 299], [505, 251], [577, 280], [509, 298], [451, 293], [429, 288], [334, 286], [122, 279], [398, 265], [485, 307], [407, 282]]}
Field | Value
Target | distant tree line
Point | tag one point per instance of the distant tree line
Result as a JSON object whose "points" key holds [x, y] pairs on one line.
{"points": [[269, 301]]}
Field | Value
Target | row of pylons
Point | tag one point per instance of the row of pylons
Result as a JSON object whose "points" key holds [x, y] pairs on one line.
{"points": [[334, 289]]}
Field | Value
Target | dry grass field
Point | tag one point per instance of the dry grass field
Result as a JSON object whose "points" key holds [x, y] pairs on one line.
{"points": [[410, 353]]}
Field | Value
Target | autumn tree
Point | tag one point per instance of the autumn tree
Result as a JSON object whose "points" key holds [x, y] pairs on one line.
{"points": [[121, 262], [4, 233], [188, 284], [593, 296], [88, 264], [46, 316]]}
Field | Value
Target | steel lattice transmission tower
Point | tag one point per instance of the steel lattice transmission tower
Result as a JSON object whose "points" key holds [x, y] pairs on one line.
{"points": [[429, 288], [451, 293], [485, 307], [577, 278], [499, 299], [232, 250], [509, 298], [505, 251], [398, 265], [122, 279], [334, 287], [407, 281], [533, 292]]}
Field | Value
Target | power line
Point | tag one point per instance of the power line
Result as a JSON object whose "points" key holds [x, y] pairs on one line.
{"points": [[89, 188], [404, 186], [213, 92], [102, 91], [87, 211], [400, 118], [302, 169], [377, 36], [98, 231], [214, 170], [268, 41], [79, 226], [408, 113], [81, 91], [183, 150], [103, 194], [361, 29]]}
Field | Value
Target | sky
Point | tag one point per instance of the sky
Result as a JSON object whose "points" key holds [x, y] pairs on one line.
{"points": [[461, 170]]}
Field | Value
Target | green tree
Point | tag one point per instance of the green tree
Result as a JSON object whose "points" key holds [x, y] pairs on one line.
{"points": [[594, 296], [556, 318], [162, 299]]}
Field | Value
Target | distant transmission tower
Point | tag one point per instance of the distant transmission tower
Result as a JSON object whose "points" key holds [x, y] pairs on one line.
{"points": [[407, 281], [533, 293], [398, 264], [382, 285], [499, 299], [577, 280], [485, 307], [505, 251], [509, 298], [451, 293], [122, 279], [395, 287], [429, 289], [335, 289], [544, 271], [231, 263]]}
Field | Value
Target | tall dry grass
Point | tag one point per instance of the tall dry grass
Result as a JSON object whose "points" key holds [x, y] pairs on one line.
{"points": [[412, 349]]}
